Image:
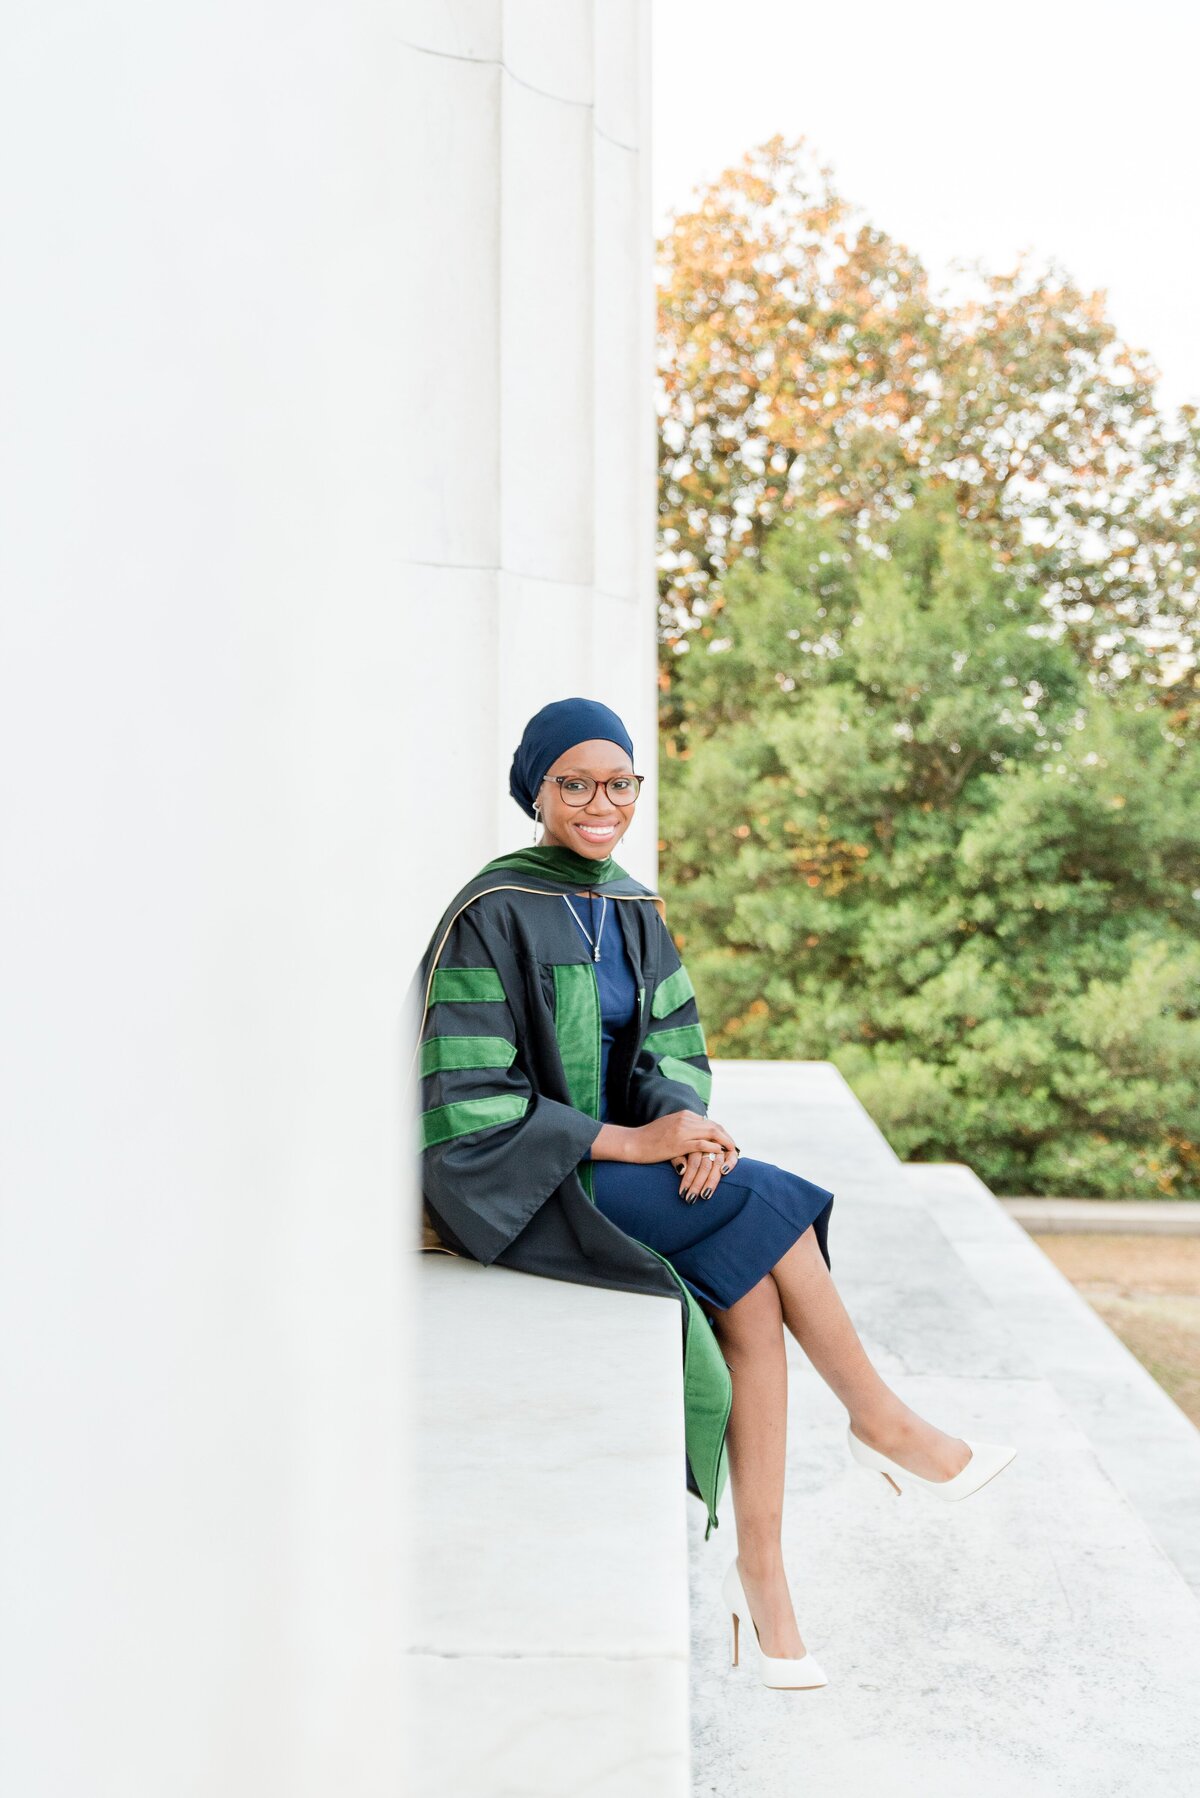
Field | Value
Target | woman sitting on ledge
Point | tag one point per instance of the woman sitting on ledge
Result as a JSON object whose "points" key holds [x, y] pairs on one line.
{"points": [[564, 1132]]}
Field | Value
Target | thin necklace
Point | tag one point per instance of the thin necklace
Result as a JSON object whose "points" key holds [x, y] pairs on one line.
{"points": [[593, 941]]}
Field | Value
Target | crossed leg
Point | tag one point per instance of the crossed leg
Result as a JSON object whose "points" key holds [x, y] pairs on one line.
{"points": [[799, 1292]]}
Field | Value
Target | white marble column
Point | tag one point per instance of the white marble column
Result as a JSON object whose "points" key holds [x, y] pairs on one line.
{"points": [[527, 530], [207, 910], [528, 527]]}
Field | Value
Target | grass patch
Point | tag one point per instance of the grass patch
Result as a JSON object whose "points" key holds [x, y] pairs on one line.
{"points": [[1147, 1289]]}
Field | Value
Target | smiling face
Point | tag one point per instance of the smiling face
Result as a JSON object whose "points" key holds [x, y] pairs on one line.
{"points": [[591, 830]]}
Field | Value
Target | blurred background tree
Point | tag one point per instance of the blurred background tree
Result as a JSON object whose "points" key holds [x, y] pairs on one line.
{"points": [[930, 744], [807, 366]]}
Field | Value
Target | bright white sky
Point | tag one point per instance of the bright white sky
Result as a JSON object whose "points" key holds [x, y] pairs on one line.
{"points": [[968, 131]]}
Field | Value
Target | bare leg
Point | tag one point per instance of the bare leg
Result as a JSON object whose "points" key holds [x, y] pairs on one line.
{"points": [[799, 1292], [814, 1313], [751, 1337]]}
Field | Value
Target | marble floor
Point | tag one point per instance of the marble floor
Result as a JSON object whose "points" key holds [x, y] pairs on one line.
{"points": [[1040, 1638]]}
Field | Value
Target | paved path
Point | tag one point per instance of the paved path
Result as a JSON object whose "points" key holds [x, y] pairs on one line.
{"points": [[1035, 1641], [1115, 1217]]}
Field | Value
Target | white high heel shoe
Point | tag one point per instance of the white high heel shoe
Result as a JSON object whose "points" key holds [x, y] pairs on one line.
{"points": [[777, 1670], [987, 1460]]}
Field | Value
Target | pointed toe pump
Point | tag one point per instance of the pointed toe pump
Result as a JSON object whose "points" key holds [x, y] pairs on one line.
{"points": [[987, 1460], [777, 1670]]}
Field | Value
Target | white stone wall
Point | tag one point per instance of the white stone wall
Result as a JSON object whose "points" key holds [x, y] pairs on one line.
{"points": [[527, 532], [327, 456], [205, 899], [528, 522]]}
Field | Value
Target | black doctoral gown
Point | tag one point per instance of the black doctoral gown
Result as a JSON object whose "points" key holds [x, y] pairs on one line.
{"points": [[504, 1014]]}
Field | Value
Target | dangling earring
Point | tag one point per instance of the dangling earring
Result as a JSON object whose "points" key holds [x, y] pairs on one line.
{"points": [[536, 821]]}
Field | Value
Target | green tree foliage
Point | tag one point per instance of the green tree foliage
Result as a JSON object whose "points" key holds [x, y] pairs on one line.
{"points": [[908, 834], [807, 366]]}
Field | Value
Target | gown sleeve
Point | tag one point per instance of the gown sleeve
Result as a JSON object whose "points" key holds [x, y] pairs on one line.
{"points": [[491, 1149], [672, 1071]]}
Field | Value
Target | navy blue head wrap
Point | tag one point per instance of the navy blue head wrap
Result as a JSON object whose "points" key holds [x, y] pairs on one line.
{"points": [[550, 733]]}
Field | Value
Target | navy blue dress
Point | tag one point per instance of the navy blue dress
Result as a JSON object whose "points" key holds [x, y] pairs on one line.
{"points": [[722, 1246]]}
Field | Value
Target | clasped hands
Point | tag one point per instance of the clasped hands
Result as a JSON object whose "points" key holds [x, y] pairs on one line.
{"points": [[700, 1149]]}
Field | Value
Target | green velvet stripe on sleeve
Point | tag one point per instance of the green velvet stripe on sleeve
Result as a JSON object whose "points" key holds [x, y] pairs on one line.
{"points": [[439, 1052], [672, 992], [444, 1122], [700, 1078], [466, 984], [688, 1039]]}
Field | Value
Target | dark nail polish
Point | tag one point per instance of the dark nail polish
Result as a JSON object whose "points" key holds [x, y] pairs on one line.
{"points": [[707, 1193]]}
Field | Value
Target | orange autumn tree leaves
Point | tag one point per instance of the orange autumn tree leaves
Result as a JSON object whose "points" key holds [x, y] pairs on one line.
{"points": [[930, 730], [806, 365]]}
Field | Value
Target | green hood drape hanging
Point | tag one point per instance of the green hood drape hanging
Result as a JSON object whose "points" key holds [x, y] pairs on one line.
{"points": [[504, 1012]]}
